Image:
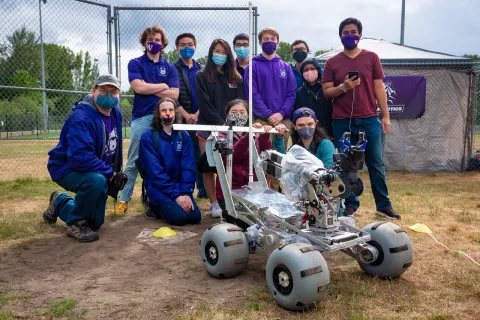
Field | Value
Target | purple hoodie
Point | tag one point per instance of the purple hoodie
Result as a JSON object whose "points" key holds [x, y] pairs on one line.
{"points": [[274, 87]]}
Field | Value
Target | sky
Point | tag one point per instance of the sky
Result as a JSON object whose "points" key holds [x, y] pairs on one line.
{"points": [[448, 26]]}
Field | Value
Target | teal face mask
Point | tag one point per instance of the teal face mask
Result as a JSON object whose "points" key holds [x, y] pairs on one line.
{"points": [[107, 101], [219, 59], [242, 52]]}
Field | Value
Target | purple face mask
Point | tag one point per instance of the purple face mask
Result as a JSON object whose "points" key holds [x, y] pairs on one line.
{"points": [[350, 41], [153, 47], [269, 47]]}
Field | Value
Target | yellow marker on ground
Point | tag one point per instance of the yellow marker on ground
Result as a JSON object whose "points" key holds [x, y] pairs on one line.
{"points": [[164, 232]]}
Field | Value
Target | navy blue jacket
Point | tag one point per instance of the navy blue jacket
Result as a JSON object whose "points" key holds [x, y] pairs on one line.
{"points": [[170, 169], [82, 143]]}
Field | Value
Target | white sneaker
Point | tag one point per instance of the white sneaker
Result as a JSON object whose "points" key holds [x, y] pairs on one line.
{"points": [[215, 210]]}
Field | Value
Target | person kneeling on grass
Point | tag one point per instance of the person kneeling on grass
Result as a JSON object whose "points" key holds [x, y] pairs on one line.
{"points": [[237, 115], [168, 163], [86, 160]]}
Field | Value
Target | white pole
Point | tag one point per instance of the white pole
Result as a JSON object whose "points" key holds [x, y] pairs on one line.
{"points": [[250, 112]]}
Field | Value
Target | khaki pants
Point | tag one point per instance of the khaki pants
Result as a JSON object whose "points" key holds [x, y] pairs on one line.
{"points": [[275, 183]]}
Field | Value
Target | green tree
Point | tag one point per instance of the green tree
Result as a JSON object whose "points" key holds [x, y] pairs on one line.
{"points": [[474, 57], [321, 51], [22, 78], [284, 51], [203, 60], [171, 56]]}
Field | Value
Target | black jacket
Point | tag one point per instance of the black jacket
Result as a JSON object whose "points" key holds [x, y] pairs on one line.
{"points": [[213, 97], [185, 95], [312, 97]]}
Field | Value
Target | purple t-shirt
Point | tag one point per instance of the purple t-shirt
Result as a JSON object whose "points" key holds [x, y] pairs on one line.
{"points": [[111, 140]]}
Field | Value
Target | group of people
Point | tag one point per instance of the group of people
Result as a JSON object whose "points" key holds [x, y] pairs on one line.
{"points": [[302, 101]]}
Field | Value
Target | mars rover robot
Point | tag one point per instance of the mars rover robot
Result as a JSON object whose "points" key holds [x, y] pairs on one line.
{"points": [[294, 228]]}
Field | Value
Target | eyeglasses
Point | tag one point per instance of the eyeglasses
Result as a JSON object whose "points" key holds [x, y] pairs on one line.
{"points": [[299, 49], [242, 45], [104, 92]]}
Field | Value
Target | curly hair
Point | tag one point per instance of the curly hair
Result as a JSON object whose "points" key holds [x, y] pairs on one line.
{"points": [[153, 30]]}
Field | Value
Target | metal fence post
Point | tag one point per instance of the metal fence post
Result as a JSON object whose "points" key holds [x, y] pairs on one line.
{"points": [[44, 94], [255, 32], [115, 28], [109, 39]]}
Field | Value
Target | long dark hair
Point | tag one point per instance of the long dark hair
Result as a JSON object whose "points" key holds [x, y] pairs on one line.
{"points": [[156, 121], [319, 134], [229, 68]]}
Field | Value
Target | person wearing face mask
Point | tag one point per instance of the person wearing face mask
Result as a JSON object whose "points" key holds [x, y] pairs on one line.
{"points": [[216, 85], [310, 95], [241, 46], [187, 110], [151, 78], [86, 159], [237, 114], [273, 84], [307, 133], [299, 53], [355, 109], [168, 164]]}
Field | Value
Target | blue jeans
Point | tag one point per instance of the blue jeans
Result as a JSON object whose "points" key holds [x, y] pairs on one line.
{"points": [[90, 198], [373, 157], [172, 213], [197, 153], [139, 126]]}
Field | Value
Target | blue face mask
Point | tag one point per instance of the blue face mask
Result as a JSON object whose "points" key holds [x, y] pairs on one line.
{"points": [[242, 52], [187, 52], [107, 101], [219, 59]]}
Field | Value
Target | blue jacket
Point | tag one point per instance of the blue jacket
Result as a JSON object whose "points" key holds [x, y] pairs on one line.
{"points": [[82, 143], [273, 87], [170, 170], [298, 76]]}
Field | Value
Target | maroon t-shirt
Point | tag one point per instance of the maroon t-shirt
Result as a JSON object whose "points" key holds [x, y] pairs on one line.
{"points": [[369, 68]]}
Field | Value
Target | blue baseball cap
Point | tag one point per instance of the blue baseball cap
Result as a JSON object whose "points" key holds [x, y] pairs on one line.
{"points": [[303, 112]]}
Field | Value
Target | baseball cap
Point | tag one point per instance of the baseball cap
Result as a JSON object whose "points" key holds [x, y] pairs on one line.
{"points": [[303, 113], [107, 79]]}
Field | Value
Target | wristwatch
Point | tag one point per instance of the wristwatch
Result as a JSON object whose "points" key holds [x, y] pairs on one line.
{"points": [[342, 88]]}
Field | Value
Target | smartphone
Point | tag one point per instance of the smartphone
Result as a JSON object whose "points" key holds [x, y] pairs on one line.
{"points": [[353, 74]]}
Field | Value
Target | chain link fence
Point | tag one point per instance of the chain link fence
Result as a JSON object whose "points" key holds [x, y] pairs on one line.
{"points": [[205, 23], [52, 50]]}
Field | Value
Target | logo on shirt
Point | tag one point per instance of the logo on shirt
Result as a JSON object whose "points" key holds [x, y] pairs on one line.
{"points": [[179, 145], [163, 71], [111, 144], [283, 73]]}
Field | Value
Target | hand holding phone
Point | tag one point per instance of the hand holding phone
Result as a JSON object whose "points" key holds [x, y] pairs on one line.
{"points": [[353, 74], [351, 80]]}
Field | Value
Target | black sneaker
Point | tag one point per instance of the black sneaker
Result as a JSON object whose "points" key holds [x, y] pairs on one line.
{"points": [[82, 232], [50, 216], [147, 210], [348, 212], [389, 214]]}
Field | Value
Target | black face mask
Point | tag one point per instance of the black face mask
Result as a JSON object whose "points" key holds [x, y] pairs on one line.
{"points": [[299, 56]]}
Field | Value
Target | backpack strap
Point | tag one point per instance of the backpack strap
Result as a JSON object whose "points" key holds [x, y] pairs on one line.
{"points": [[156, 138]]}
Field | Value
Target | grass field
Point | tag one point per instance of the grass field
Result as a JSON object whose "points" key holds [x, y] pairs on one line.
{"points": [[440, 285]]}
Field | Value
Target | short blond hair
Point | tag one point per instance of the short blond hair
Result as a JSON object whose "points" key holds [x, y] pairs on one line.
{"points": [[270, 31]]}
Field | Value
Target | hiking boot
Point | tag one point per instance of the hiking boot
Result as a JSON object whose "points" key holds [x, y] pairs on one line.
{"points": [[389, 214], [121, 207], [215, 210], [50, 215], [147, 210], [348, 212], [82, 232]]}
